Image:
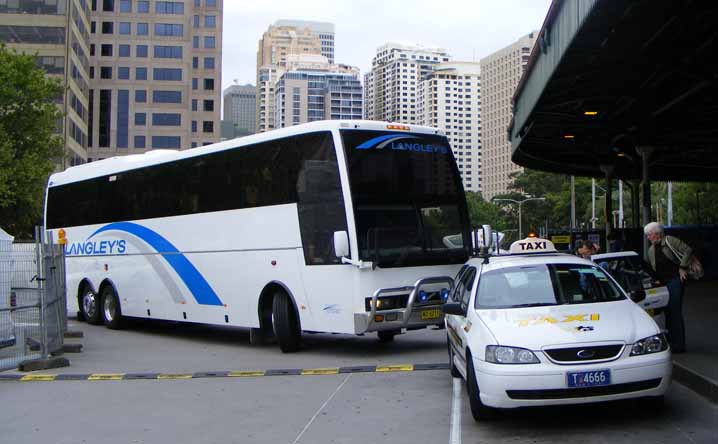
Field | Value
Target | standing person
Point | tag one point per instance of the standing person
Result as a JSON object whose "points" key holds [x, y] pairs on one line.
{"points": [[663, 255]]}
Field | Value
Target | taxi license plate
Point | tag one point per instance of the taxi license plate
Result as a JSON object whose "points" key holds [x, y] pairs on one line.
{"points": [[589, 379], [430, 314]]}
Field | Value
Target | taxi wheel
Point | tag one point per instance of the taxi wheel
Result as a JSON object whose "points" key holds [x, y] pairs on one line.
{"points": [[478, 410], [454, 371]]}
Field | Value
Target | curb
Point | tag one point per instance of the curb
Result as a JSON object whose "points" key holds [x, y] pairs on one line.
{"points": [[700, 384]]}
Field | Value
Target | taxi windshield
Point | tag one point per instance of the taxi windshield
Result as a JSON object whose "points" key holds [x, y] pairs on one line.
{"points": [[544, 285]]}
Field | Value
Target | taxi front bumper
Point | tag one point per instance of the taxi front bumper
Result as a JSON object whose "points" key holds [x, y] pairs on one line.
{"points": [[511, 386]]}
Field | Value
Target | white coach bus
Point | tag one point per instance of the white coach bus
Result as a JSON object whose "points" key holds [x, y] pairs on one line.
{"points": [[326, 227]]}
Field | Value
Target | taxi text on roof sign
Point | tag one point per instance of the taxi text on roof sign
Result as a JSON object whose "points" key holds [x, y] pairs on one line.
{"points": [[532, 245]]}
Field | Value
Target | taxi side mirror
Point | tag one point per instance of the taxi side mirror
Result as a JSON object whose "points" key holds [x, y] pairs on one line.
{"points": [[453, 308], [638, 295]]}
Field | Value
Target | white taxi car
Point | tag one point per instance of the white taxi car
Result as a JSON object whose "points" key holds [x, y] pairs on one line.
{"points": [[536, 327]]}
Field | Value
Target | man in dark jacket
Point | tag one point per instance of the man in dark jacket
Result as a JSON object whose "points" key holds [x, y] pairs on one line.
{"points": [[670, 258]]}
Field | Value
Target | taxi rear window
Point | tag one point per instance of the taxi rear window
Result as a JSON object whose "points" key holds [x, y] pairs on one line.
{"points": [[544, 285]]}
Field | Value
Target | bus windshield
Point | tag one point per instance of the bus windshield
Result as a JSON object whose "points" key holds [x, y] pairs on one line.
{"points": [[409, 203]]}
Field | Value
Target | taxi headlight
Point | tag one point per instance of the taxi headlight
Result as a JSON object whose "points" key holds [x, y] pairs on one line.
{"points": [[651, 344], [499, 354]]}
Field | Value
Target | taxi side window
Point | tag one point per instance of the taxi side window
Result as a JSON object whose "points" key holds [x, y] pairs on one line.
{"points": [[456, 292], [467, 283]]}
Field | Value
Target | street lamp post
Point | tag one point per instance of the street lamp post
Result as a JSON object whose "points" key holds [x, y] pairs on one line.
{"points": [[520, 204]]}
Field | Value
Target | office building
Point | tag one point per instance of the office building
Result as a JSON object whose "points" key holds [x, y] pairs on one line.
{"points": [[391, 87], [500, 75], [58, 32], [450, 98], [275, 45], [313, 89], [156, 75], [323, 30], [240, 102]]}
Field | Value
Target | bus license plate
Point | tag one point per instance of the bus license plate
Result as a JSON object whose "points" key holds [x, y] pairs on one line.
{"points": [[589, 379], [430, 314]]}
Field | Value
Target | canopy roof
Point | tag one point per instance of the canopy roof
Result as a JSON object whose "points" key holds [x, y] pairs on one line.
{"points": [[608, 76]]}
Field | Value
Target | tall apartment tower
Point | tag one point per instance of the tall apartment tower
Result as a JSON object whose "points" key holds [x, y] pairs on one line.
{"points": [[500, 75], [58, 32], [323, 30], [275, 45], [155, 75], [450, 98], [313, 89], [240, 102], [390, 88]]}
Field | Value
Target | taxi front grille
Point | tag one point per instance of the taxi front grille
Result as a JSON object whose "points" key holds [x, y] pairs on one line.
{"points": [[579, 354], [585, 392]]}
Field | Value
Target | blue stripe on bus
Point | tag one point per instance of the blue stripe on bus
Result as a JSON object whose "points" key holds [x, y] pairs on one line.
{"points": [[191, 277], [375, 141]]}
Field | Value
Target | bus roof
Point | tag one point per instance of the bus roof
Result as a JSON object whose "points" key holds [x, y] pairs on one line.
{"points": [[157, 156]]}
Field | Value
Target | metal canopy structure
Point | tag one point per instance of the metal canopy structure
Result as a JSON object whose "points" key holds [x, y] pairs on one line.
{"points": [[609, 78]]}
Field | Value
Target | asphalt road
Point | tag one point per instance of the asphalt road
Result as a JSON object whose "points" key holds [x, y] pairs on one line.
{"points": [[400, 407]]}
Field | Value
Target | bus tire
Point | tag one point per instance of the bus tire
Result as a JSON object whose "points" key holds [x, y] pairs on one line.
{"points": [[387, 335], [286, 324], [111, 309], [90, 305]]}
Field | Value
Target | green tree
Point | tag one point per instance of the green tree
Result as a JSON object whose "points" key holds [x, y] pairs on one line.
{"points": [[482, 212], [29, 147]]}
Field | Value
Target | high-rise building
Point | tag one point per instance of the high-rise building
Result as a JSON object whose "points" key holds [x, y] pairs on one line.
{"points": [[58, 32], [323, 30], [500, 75], [275, 45], [450, 98], [313, 89], [156, 75], [239, 108], [390, 88]]}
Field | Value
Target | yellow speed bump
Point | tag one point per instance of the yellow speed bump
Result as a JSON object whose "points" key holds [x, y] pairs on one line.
{"points": [[175, 376], [106, 377], [38, 378], [321, 371], [395, 368], [246, 373]]}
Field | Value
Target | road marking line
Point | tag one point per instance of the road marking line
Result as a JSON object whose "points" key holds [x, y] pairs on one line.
{"points": [[246, 374], [321, 371], [296, 440], [38, 378], [395, 368], [106, 377], [455, 436]]}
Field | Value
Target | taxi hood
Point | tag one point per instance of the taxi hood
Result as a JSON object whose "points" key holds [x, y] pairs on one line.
{"points": [[538, 327]]}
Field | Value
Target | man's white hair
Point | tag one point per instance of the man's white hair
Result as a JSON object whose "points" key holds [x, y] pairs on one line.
{"points": [[654, 227]]}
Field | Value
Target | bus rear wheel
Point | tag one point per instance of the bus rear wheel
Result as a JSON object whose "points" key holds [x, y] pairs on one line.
{"points": [[286, 324], [90, 306], [111, 309]]}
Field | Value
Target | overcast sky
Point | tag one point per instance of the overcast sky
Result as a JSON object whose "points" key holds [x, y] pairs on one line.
{"points": [[467, 29]]}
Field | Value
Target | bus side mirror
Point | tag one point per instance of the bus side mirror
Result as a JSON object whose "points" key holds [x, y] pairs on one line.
{"points": [[341, 244]]}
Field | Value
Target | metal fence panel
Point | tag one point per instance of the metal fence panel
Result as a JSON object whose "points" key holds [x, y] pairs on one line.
{"points": [[32, 302]]}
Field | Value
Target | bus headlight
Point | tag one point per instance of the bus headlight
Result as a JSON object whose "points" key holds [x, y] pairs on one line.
{"points": [[499, 354], [651, 344], [444, 294]]}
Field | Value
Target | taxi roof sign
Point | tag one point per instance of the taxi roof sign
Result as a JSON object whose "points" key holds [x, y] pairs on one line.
{"points": [[532, 245]]}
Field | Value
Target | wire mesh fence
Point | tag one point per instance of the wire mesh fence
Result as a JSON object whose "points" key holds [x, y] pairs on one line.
{"points": [[32, 301]]}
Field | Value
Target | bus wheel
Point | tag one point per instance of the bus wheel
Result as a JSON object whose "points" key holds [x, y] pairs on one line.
{"points": [[286, 324], [90, 306], [387, 335], [111, 310]]}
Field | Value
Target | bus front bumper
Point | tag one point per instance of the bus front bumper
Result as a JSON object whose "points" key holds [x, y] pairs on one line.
{"points": [[420, 317]]}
